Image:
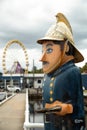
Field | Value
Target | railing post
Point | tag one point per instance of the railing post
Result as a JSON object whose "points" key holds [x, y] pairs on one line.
{"points": [[27, 124], [26, 112]]}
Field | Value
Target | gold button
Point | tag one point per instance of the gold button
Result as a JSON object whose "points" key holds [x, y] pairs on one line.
{"points": [[51, 99], [51, 92], [51, 84], [52, 78]]}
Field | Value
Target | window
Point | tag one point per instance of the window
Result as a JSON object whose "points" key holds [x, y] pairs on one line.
{"points": [[39, 81]]}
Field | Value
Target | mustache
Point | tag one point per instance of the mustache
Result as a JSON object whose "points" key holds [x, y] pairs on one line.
{"points": [[45, 62]]}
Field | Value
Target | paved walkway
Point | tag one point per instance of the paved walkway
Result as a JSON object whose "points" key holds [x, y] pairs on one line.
{"points": [[12, 113]]}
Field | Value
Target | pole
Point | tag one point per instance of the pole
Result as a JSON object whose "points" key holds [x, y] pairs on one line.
{"points": [[33, 73]]}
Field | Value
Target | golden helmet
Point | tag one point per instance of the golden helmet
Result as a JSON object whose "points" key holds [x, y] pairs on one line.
{"points": [[62, 30]]}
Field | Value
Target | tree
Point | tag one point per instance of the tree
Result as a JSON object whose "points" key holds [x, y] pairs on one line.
{"points": [[84, 68]]}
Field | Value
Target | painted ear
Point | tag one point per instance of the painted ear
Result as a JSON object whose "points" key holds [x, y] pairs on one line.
{"points": [[66, 47]]}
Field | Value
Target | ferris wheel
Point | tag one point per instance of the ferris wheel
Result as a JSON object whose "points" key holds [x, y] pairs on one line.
{"points": [[10, 54]]}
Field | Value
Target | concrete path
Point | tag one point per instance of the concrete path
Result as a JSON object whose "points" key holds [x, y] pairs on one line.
{"points": [[12, 113]]}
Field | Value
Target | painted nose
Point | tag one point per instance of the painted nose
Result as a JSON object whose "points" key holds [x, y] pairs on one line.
{"points": [[43, 57]]}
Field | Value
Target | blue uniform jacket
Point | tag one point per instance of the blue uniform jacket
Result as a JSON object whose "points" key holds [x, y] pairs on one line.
{"points": [[65, 85]]}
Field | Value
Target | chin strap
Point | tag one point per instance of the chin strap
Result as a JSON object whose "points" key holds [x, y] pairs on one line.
{"points": [[63, 53]]}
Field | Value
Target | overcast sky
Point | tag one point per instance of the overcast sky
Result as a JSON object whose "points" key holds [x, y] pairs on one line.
{"points": [[28, 20]]}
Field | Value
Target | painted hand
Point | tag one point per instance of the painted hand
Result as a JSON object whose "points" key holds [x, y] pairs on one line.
{"points": [[66, 108]]}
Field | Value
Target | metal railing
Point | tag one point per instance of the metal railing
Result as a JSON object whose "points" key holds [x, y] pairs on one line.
{"points": [[6, 97], [27, 123]]}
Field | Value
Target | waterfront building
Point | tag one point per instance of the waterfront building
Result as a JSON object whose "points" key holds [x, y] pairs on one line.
{"points": [[23, 80]]}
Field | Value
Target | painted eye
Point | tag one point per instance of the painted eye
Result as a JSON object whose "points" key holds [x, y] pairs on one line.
{"points": [[49, 50]]}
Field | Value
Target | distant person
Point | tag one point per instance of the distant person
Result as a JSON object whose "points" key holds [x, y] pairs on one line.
{"points": [[62, 84]]}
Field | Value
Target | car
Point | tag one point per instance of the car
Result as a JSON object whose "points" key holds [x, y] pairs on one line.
{"points": [[13, 88], [2, 96], [2, 87]]}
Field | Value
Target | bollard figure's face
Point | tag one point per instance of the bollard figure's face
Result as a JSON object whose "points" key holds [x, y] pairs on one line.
{"points": [[51, 56]]}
